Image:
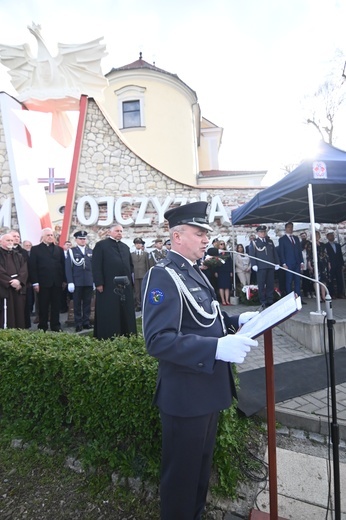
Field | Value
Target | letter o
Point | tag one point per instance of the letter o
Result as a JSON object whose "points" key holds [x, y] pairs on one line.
{"points": [[94, 211]]}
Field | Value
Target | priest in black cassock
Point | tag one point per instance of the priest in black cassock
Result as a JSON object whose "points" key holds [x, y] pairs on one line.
{"points": [[114, 308]]}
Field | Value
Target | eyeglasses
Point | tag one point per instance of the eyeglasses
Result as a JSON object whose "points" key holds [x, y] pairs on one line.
{"points": [[222, 244]]}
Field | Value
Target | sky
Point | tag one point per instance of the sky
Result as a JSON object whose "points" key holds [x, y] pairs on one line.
{"points": [[251, 62]]}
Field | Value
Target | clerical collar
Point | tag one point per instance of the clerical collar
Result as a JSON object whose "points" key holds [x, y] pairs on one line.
{"points": [[115, 240]]}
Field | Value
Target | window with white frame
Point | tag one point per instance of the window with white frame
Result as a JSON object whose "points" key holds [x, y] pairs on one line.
{"points": [[131, 114], [131, 106]]}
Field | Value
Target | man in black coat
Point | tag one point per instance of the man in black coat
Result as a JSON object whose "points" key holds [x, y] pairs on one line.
{"points": [[336, 266], [186, 331], [113, 277], [47, 275]]}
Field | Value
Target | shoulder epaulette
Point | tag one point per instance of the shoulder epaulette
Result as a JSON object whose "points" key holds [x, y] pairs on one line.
{"points": [[163, 263]]}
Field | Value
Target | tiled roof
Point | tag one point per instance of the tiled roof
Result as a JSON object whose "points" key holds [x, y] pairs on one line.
{"points": [[142, 64]]}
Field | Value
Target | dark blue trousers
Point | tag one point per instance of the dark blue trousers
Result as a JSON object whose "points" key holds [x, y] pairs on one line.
{"points": [[187, 454], [82, 305]]}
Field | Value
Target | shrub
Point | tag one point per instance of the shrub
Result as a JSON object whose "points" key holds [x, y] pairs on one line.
{"points": [[95, 398]]}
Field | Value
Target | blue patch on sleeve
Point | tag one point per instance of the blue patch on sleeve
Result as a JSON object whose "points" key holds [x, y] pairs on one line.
{"points": [[156, 297]]}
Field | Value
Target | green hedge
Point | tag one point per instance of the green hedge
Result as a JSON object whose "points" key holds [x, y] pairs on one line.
{"points": [[95, 397]]}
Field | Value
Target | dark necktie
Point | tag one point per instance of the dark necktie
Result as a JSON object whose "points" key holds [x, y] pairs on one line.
{"points": [[197, 269]]}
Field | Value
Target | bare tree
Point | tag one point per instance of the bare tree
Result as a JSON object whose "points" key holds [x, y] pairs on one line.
{"points": [[324, 105]]}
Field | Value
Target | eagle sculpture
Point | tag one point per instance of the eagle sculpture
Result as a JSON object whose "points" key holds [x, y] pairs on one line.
{"points": [[55, 83]]}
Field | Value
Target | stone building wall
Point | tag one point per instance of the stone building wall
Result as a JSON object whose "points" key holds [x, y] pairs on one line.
{"points": [[107, 166]]}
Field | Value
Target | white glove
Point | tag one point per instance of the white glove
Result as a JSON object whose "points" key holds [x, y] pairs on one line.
{"points": [[246, 316], [234, 347], [277, 267], [94, 287], [70, 287], [255, 268]]}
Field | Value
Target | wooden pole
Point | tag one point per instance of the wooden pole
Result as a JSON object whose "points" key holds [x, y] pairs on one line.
{"points": [[271, 425]]}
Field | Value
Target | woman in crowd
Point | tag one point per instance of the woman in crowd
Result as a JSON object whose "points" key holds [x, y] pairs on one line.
{"points": [[242, 266], [224, 274]]}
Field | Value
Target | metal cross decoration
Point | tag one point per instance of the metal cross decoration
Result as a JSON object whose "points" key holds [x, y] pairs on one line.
{"points": [[51, 180]]}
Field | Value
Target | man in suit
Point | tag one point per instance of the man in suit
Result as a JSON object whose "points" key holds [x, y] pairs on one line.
{"points": [[291, 258], [47, 275], [263, 248], [80, 280], [140, 260], [186, 331], [336, 266]]}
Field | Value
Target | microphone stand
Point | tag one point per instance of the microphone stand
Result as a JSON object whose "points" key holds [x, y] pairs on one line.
{"points": [[334, 427]]}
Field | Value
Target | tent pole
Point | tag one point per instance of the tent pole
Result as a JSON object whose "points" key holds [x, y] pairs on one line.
{"points": [[233, 261], [314, 246]]}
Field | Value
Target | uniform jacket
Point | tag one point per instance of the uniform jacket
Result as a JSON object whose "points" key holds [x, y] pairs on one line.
{"points": [[190, 381], [140, 264], [156, 255], [81, 275], [336, 258], [263, 251], [47, 265], [290, 254]]}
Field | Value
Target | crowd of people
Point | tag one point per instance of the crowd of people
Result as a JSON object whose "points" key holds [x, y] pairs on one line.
{"points": [[38, 282], [268, 266]]}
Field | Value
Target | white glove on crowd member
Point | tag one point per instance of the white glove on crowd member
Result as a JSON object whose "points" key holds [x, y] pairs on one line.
{"points": [[277, 267], [234, 347], [246, 316], [255, 268], [70, 287]]}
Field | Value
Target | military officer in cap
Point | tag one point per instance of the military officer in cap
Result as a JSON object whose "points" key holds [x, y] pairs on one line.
{"points": [[263, 248], [185, 329], [158, 253], [80, 280], [140, 260]]}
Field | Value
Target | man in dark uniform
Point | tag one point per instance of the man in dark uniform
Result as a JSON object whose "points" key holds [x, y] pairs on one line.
{"points": [[80, 280], [186, 331], [47, 275], [263, 248], [115, 307]]}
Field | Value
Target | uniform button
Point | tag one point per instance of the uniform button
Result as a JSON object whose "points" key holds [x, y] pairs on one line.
{"points": [[200, 365]]}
